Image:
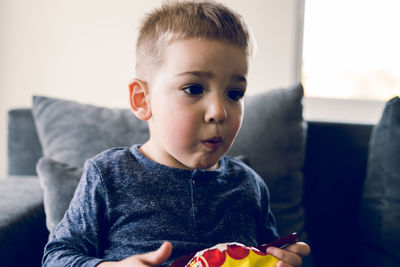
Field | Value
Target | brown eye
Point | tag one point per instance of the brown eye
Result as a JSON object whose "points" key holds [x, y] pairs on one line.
{"points": [[235, 94], [193, 90]]}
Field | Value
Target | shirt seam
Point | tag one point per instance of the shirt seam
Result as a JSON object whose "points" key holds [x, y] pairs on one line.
{"points": [[107, 208], [193, 207]]}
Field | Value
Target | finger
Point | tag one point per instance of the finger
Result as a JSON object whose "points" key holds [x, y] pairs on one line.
{"points": [[283, 264], [158, 256], [286, 264], [287, 257], [299, 248]]}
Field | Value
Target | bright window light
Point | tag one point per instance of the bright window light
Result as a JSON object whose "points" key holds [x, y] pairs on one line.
{"points": [[351, 49]]}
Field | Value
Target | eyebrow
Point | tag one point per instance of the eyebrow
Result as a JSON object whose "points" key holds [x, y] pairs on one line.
{"points": [[205, 74], [239, 78]]}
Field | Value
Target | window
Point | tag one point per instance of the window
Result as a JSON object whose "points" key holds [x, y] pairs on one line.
{"points": [[351, 49]]}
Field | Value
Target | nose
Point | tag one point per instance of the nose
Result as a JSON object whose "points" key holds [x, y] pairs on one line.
{"points": [[216, 111]]}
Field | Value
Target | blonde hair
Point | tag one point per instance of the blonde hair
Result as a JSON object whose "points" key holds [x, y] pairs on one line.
{"points": [[181, 20]]}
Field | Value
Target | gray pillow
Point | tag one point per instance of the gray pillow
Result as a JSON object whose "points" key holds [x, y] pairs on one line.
{"points": [[58, 181], [273, 137], [380, 209], [71, 132]]}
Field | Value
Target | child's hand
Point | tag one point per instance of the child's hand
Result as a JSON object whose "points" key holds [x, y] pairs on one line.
{"points": [[153, 258], [290, 255]]}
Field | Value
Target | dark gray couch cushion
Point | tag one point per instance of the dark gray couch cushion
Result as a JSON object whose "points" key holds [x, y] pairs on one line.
{"points": [[59, 181], [23, 149], [18, 196], [380, 210], [273, 137], [71, 132], [22, 222]]}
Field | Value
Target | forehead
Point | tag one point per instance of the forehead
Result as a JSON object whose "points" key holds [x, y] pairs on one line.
{"points": [[205, 55]]}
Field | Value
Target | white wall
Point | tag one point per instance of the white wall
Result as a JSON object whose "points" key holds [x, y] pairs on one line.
{"points": [[84, 50]]}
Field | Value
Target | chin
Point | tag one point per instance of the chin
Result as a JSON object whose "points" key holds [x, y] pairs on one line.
{"points": [[206, 165]]}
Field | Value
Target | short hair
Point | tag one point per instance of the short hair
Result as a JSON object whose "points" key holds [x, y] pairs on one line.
{"points": [[181, 20]]}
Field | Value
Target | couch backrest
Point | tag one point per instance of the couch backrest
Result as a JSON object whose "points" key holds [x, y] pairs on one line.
{"points": [[334, 173], [23, 149]]}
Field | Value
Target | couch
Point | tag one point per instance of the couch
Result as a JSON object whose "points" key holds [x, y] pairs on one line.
{"points": [[324, 163]]}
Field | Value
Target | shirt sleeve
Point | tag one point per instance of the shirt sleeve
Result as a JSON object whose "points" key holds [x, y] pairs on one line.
{"points": [[77, 238], [268, 231]]}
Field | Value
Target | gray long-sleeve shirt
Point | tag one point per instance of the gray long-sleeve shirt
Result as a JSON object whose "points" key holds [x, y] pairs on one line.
{"points": [[126, 204]]}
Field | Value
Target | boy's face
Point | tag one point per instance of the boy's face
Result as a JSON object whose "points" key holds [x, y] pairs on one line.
{"points": [[196, 104]]}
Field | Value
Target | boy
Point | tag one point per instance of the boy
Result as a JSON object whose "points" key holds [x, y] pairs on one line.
{"points": [[192, 63]]}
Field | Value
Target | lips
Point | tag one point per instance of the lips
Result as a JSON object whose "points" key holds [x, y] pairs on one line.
{"points": [[213, 143]]}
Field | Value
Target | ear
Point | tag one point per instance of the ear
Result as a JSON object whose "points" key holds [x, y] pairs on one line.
{"points": [[139, 99]]}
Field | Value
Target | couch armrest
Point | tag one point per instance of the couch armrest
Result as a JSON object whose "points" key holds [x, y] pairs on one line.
{"points": [[23, 232]]}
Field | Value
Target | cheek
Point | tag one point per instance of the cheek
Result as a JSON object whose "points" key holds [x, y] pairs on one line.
{"points": [[236, 122], [180, 127], [235, 128]]}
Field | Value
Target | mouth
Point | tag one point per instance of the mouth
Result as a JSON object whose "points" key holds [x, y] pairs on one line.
{"points": [[213, 143]]}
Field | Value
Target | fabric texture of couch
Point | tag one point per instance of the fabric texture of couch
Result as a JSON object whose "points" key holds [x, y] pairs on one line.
{"points": [[380, 209]]}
